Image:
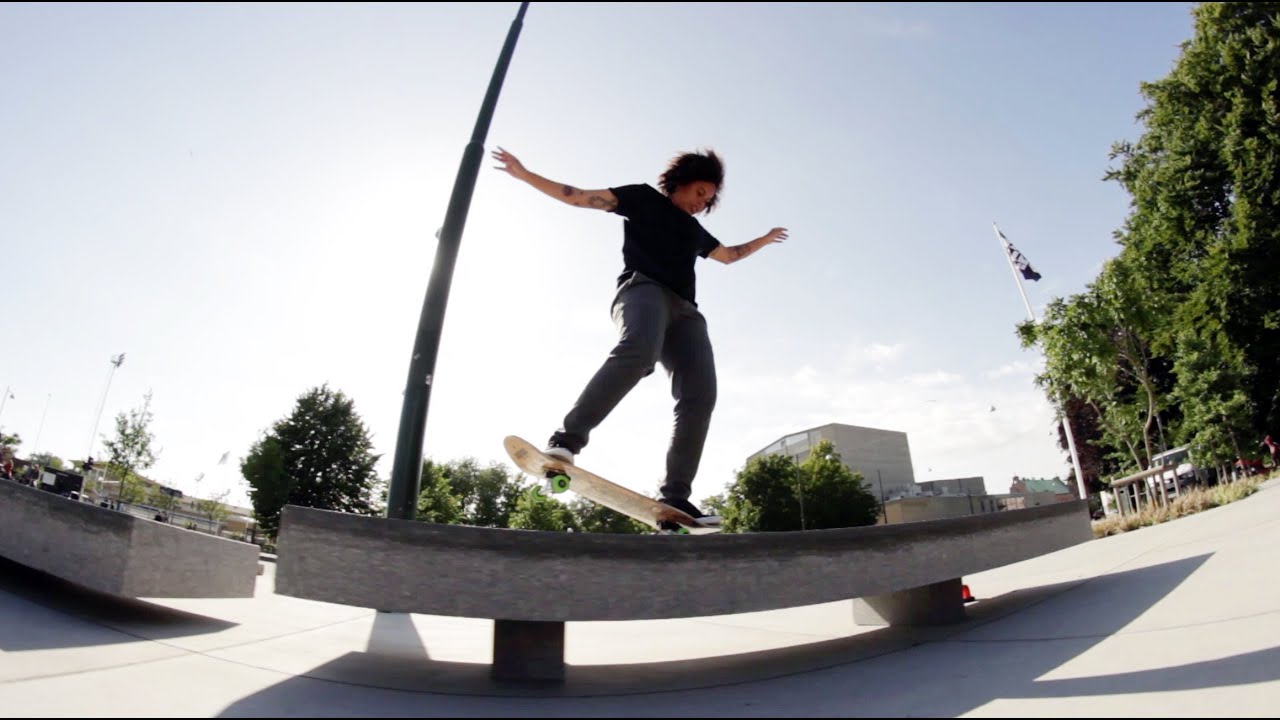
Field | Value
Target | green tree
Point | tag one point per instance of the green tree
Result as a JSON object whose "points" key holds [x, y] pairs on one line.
{"points": [[772, 493], [595, 518], [130, 453], [320, 456], [162, 498], [835, 496], [487, 495], [535, 511], [764, 497], [47, 460], [214, 509], [1215, 407], [9, 442], [1090, 447], [1205, 185], [264, 471], [1097, 347], [437, 502]]}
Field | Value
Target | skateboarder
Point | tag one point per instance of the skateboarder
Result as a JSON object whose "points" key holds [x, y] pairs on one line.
{"points": [[655, 307]]}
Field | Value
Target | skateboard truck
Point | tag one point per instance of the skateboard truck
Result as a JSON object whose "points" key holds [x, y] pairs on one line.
{"points": [[556, 482]]}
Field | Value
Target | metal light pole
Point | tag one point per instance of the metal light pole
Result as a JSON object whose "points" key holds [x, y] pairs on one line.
{"points": [[116, 362], [5, 399], [406, 468], [36, 448]]}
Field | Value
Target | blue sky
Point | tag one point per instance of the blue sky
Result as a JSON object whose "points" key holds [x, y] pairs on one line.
{"points": [[243, 199]]}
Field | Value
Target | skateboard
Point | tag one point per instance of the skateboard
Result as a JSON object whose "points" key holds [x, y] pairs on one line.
{"points": [[560, 476]]}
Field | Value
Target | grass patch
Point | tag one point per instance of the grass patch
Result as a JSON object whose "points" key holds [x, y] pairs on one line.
{"points": [[1189, 503]]}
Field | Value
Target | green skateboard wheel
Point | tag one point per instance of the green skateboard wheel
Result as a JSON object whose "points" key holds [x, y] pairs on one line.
{"points": [[558, 483]]}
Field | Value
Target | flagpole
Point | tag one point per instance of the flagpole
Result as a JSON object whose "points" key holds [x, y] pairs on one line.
{"points": [[1062, 416], [1004, 243]]}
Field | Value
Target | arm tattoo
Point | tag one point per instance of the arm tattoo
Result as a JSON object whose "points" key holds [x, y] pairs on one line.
{"points": [[602, 203], [568, 190]]}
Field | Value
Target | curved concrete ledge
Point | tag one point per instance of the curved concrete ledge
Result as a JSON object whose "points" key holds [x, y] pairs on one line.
{"points": [[118, 553], [522, 575]]}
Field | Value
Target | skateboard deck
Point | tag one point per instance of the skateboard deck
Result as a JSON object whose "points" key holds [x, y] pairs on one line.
{"points": [[562, 476]]}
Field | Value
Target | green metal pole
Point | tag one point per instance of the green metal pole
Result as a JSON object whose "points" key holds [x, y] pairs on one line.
{"points": [[406, 469]]}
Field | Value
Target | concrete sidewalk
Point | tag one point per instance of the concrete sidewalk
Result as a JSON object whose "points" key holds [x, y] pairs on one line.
{"points": [[1180, 618]]}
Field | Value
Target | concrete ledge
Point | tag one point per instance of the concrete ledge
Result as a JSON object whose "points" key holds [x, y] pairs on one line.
{"points": [[414, 567], [118, 553], [528, 650], [937, 604]]}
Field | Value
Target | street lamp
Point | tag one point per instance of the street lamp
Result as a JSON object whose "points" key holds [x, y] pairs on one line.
{"points": [[116, 362], [36, 448], [406, 468], [5, 399]]}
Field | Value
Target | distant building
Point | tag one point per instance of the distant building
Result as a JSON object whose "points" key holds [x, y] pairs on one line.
{"points": [[883, 457], [1041, 486]]}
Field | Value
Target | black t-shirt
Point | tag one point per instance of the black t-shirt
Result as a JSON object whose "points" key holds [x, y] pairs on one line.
{"points": [[659, 239]]}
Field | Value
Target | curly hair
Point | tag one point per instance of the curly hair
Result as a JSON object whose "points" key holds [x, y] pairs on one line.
{"points": [[691, 167]]}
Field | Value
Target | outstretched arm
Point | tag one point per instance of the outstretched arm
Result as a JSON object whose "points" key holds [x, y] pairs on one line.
{"points": [[598, 199], [732, 254]]}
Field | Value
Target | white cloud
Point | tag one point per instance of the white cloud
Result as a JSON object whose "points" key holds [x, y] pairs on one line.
{"points": [[936, 378], [879, 351], [1019, 368], [876, 355]]}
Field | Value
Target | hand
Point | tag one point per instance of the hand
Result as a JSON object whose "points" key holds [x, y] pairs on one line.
{"points": [[514, 168], [775, 235]]}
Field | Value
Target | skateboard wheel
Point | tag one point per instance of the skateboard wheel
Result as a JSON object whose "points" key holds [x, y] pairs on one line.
{"points": [[558, 483]]}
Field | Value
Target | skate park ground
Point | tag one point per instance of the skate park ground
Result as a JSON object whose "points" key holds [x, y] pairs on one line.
{"points": [[1177, 619]]}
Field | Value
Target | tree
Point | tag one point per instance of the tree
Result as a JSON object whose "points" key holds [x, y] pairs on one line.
{"points": [[1090, 446], [772, 493], [437, 502], [214, 509], [9, 443], [835, 496], [163, 498], [535, 511], [129, 453], [320, 456], [1205, 183], [595, 518], [715, 504], [1097, 346], [487, 495], [264, 470], [763, 498], [47, 460], [1214, 402]]}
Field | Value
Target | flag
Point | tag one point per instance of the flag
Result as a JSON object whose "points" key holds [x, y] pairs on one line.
{"points": [[1019, 260]]}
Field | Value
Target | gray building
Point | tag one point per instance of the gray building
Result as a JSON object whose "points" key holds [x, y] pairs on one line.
{"points": [[883, 457], [970, 486]]}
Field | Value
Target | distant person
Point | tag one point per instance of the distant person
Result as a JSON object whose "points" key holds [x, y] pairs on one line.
{"points": [[1275, 451]]}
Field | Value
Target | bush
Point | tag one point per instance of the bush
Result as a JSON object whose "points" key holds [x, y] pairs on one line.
{"points": [[1189, 503]]}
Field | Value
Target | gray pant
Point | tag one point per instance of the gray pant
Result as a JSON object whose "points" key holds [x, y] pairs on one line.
{"points": [[654, 324]]}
